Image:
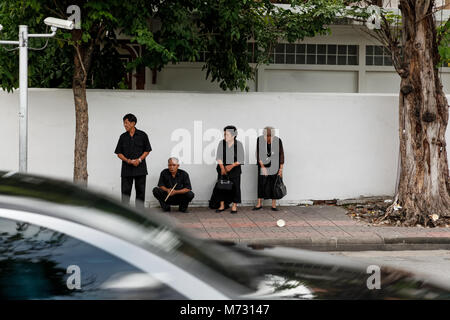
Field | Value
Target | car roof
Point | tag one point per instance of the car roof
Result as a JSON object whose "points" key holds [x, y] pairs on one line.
{"points": [[145, 228], [76, 203], [65, 200], [34, 189]]}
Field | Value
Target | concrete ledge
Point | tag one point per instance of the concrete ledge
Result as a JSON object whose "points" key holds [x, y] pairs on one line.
{"points": [[418, 240], [417, 246], [345, 244], [362, 200]]}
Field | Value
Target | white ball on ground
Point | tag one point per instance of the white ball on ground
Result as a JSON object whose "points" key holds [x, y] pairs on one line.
{"points": [[281, 223]]}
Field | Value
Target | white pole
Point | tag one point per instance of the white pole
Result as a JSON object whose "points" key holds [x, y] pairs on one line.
{"points": [[23, 86], [23, 98]]}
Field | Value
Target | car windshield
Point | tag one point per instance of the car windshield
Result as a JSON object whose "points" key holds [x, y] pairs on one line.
{"points": [[214, 263]]}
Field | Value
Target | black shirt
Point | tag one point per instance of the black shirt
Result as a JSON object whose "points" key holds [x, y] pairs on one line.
{"points": [[181, 178], [132, 147], [233, 154]]}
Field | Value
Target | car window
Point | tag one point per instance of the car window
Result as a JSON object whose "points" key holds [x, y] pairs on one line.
{"points": [[40, 263]]}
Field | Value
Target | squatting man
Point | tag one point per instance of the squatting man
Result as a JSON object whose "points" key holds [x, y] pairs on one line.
{"points": [[174, 187]]}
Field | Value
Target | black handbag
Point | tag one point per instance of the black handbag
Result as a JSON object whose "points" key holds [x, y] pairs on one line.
{"points": [[279, 188], [224, 184]]}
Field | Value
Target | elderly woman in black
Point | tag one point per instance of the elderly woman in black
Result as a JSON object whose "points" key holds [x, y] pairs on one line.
{"points": [[230, 156], [270, 160]]}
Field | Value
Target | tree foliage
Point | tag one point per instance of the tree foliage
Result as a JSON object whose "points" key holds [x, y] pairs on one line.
{"points": [[169, 31], [444, 43]]}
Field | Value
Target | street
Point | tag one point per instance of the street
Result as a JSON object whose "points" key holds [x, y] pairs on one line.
{"points": [[433, 263]]}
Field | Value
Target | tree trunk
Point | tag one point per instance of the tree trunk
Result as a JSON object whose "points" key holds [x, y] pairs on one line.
{"points": [[80, 173], [424, 187], [82, 62]]}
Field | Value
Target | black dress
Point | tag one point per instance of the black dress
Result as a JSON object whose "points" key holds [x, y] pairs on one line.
{"points": [[272, 156], [229, 155]]}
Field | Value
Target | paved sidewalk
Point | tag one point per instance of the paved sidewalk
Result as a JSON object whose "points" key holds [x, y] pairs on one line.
{"points": [[321, 227]]}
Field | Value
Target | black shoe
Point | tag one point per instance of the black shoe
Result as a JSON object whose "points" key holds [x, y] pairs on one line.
{"points": [[233, 211], [275, 209], [220, 210], [184, 210], [164, 206], [257, 208]]}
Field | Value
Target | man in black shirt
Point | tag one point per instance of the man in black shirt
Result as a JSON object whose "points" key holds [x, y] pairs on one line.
{"points": [[133, 147], [178, 180]]}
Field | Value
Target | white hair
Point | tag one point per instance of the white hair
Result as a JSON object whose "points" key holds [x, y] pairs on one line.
{"points": [[174, 159]]}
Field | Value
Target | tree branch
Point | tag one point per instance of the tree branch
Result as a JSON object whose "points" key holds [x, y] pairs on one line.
{"points": [[61, 12], [58, 14]]}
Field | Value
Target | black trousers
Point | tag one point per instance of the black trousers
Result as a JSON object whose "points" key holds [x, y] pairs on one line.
{"points": [[139, 184], [182, 200]]}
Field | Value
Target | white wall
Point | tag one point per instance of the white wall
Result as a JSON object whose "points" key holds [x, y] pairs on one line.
{"points": [[284, 80], [382, 81], [336, 145], [185, 76]]}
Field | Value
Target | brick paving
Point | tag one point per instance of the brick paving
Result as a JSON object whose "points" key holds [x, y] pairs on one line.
{"points": [[320, 227]]}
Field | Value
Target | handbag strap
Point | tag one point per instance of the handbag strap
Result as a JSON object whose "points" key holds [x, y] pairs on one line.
{"points": [[224, 157], [225, 153], [278, 178]]}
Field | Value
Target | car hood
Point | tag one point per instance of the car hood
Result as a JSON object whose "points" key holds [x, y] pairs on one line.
{"points": [[288, 273]]}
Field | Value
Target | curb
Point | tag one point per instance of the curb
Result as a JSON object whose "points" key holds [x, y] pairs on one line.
{"points": [[346, 244]]}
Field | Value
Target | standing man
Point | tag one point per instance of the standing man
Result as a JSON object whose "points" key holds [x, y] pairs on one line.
{"points": [[133, 147], [174, 187]]}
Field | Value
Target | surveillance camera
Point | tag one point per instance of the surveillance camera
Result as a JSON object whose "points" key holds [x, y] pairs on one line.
{"points": [[59, 23]]}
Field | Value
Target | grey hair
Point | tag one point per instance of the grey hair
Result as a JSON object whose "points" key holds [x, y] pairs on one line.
{"points": [[174, 159]]}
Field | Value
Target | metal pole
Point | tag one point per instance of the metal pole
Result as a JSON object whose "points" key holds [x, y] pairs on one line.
{"points": [[23, 89], [23, 98]]}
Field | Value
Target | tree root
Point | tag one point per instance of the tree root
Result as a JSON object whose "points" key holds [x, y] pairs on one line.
{"points": [[396, 215]]}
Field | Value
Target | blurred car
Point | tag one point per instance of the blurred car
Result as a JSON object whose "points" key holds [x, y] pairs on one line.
{"points": [[62, 241]]}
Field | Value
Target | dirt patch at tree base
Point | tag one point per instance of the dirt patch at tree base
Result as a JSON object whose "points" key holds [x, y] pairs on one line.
{"points": [[374, 212]]}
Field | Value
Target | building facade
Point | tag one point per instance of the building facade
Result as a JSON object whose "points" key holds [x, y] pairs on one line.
{"points": [[349, 60]]}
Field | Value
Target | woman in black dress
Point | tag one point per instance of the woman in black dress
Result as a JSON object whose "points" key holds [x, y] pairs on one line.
{"points": [[270, 159], [230, 156]]}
